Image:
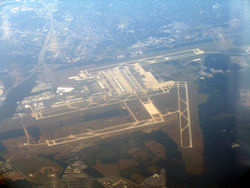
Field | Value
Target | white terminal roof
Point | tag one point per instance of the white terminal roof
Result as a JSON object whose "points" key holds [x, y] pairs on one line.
{"points": [[64, 89]]}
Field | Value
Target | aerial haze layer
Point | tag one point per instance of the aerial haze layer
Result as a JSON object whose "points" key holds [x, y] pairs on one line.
{"points": [[143, 93]]}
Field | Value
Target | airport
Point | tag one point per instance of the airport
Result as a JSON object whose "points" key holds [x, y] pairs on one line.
{"points": [[126, 85]]}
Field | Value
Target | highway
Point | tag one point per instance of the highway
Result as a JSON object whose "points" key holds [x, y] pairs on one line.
{"points": [[40, 61], [40, 58]]}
